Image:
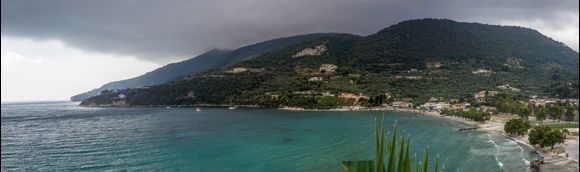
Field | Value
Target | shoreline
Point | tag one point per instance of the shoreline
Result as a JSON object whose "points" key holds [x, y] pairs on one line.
{"points": [[493, 126], [553, 158], [176, 106], [362, 109]]}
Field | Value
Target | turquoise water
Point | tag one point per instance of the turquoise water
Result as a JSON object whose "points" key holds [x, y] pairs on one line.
{"points": [[66, 137]]}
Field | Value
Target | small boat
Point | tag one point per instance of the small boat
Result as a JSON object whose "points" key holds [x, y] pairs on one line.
{"points": [[198, 109], [232, 107], [167, 107]]}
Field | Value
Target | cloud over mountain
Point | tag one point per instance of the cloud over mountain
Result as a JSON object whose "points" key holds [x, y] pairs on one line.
{"points": [[161, 32]]}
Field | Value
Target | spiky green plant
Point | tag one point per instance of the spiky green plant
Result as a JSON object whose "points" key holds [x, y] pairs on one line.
{"points": [[398, 154]]}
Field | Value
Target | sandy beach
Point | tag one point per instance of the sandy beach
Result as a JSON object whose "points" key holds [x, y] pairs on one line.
{"points": [[571, 146], [562, 156]]}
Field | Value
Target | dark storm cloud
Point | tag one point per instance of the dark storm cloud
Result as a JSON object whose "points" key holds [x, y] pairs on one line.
{"points": [[165, 30]]}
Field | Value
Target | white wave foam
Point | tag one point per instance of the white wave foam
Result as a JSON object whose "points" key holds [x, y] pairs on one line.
{"points": [[510, 141], [491, 141], [526, 162], [498, 162]]}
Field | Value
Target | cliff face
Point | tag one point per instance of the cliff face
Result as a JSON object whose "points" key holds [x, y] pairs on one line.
{"points": [[316, 51]]}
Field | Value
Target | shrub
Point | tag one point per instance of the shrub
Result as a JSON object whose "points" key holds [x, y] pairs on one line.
{"points": [[517, 127], [546, 136], [398, 155]]}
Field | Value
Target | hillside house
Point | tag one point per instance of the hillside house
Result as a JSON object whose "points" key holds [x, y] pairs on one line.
{"points": [[274, 96], [119, 100], [434, 99], [243, 69], [238, 70], [315, 79], [328, 94], [402, 104], [190, 94], [573, 102], [460, 106], [309, 92], [480, 96], [438, 106], [327, 68], [413, 71], [492, 93], [481, 72], [434, 65], [507, 87], [544, 101], [388, 95]]}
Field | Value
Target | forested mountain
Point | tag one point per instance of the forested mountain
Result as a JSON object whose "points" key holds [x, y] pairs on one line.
{"points": [[417, 59], [213, 59]]}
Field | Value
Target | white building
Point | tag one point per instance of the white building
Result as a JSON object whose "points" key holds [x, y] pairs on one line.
{"points": [[315, 79], [327, 68], [328, 94], [431, 106]]}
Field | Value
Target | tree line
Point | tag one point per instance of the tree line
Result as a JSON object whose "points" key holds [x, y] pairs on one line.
{"points": [[471, 114]]}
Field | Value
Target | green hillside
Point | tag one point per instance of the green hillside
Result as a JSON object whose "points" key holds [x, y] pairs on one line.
{"points": [[213, 59], [417, 58]]}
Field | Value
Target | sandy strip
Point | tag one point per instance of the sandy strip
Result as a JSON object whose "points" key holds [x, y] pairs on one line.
{"points": [[571, 145]]}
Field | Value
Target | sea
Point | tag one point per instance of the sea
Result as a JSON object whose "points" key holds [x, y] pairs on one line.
{"points": [[63, 136]]}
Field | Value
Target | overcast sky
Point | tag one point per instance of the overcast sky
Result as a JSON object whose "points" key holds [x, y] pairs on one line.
{"points": [[54, 49]]}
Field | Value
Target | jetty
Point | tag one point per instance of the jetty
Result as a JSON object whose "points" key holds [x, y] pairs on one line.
{"points": [[466, 129]]}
